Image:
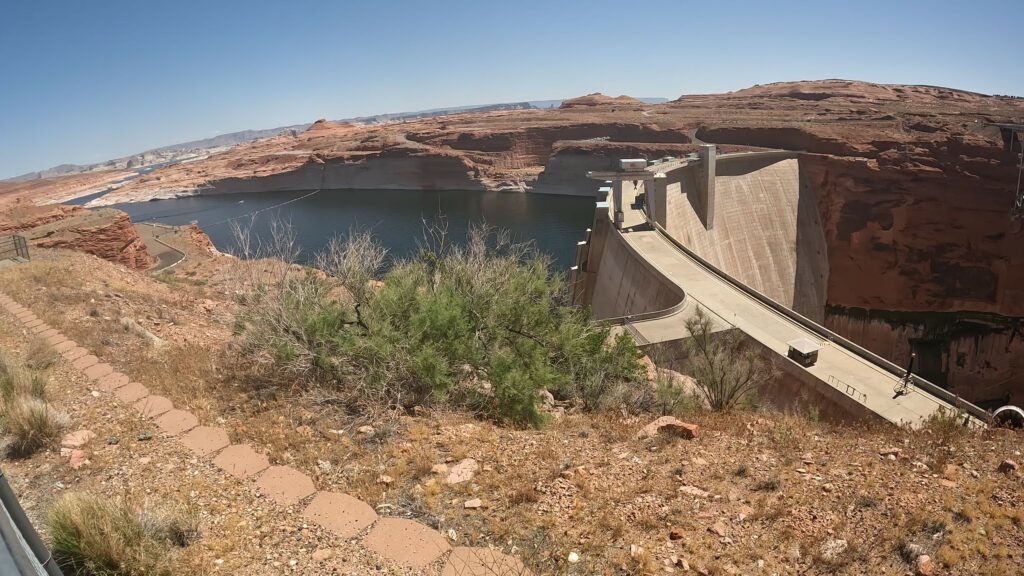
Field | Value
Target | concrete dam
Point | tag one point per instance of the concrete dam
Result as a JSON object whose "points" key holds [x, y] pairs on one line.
{"points": [[738, 236]]}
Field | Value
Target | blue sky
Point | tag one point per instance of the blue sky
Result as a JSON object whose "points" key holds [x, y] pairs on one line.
{"points": [[86, 81]]}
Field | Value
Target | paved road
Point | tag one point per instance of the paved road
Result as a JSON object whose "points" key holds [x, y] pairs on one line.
{"points": [[165, 255], [836, 366]]}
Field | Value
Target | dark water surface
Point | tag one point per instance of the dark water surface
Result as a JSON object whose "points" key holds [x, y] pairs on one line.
{"points": [[554, 223]]}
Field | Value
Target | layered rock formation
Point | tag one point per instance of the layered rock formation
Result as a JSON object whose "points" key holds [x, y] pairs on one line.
{"points": [[106, 233]]}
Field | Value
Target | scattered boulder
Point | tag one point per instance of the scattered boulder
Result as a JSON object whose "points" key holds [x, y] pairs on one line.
{"points": [[693, 491], [890, 451], [547, 399], [77, 439], [440, 469], [676, 534], [718, 528], [832, 549], [366, 430], [669, 425], [385, 479], [473, 504], [925, 566], [649, 368], [1008, 467], [78, 459], [323, 554], [573, 558], [463, 471]]}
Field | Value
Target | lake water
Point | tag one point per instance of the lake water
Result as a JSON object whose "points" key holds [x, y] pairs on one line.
{"points": [[553, 223]]}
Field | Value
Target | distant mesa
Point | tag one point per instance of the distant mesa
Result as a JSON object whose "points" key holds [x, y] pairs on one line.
{"points": [[598, 99], [854, 90]]}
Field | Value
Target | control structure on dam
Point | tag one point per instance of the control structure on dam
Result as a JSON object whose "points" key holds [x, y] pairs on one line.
{"points": [[739, 237]]}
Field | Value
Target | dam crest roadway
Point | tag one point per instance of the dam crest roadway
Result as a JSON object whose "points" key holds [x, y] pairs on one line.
{"points": [[738, 236]]}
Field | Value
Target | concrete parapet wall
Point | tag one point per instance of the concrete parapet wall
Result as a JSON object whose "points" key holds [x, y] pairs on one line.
{"points": [[626, 284]]}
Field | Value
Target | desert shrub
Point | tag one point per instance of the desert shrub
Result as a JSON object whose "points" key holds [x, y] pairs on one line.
{"points": [[483, 325], [16, 381], [728, 371], [99, 536], [30, 424], [27, 423], [40, 355]]}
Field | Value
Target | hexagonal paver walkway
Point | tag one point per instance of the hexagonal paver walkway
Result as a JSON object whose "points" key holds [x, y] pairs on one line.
{"points": [[241, 461], [85, 361], [177, 421], [112, 381], [131, 392], [97, 371], [340, 513], [464, 561], [75, 354], [406, 542], [205, 440], [285, 484], [64, 346], [153, 406]]}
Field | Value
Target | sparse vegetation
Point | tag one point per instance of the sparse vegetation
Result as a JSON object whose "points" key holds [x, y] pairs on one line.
{"points": [[95, 535], [40, 355], [27, 422], [728, 372], [483, 326]]}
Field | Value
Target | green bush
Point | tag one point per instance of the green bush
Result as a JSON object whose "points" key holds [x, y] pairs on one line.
{"points": [[484, 326]]}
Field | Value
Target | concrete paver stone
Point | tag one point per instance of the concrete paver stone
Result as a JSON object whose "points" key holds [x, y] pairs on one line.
{"points": [[406, 542], [97, 371], [205, 440], [41, 328], [177, 421], [48, 332], [75, 353], [34, 323], [131, 392], [285, 484], [153, 406], [342, 514], [85, 361], [64, 346], [112, 381], [56, 339], [465, 561], [241, 461]]}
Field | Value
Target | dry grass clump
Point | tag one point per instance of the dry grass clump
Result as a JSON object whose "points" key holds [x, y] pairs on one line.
{"points": [[40, 355], [98, 536], [28, 424]]}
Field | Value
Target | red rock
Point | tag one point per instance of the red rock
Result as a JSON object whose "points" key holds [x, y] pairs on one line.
{"points": [[925, 566], [1008, 467], [77, 439], [669, 425], [676, 534], [78, 458]]}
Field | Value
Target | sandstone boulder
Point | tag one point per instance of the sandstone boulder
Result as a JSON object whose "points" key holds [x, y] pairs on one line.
{"points": [[669, 425]]}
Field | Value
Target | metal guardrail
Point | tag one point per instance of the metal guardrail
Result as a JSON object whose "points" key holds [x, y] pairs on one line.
{"points": [[13, 247], [849, 390], [933, 389]]}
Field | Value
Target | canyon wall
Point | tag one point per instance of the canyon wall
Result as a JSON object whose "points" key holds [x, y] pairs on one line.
{"points": [[977, 356], [397, 172]]}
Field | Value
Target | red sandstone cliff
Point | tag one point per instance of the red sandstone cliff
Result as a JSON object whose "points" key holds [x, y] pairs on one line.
{"points": [[106, 233]]}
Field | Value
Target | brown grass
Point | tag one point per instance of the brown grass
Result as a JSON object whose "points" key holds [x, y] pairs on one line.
{"points": [[96, 535]]}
